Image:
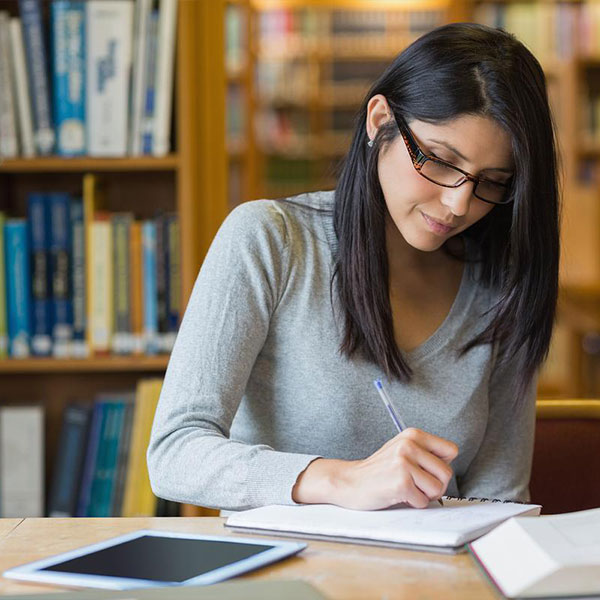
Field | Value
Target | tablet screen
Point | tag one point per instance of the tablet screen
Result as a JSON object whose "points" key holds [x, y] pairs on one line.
{"points": [[160, 558]]}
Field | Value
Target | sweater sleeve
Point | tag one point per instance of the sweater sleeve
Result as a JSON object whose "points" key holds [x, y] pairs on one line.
{"points": [[502, 466], [190, 456]]}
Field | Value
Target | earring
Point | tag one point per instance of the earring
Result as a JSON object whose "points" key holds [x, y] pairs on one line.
{"points": [[370, 143]]}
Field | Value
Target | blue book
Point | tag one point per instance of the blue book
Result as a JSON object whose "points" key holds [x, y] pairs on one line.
{"points": [[89, 465], [18, 300], [173, 276], [37, 72], [37, 213], [111, 459], [149, 265], [150, 84], [60, 273], [69, 461], [79, 347], [95, 490], [68, 75]]}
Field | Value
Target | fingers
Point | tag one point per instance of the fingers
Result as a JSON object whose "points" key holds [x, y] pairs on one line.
{"points": [[444, 449]]}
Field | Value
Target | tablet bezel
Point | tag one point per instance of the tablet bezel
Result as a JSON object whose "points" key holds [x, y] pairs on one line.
{"points": [[31, 571]]}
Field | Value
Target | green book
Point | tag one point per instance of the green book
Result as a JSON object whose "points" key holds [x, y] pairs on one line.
{"points": [[236, 590]]}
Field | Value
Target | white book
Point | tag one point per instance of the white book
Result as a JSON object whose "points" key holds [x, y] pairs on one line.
{"points": [[143, 8], [9, 147], [553, 556], [109, 33], [25, 118], [22, 461], [167, 24], [436, 528], [101, 284]]}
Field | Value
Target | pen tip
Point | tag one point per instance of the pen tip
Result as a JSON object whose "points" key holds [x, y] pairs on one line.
{"points": [[377, 383]]}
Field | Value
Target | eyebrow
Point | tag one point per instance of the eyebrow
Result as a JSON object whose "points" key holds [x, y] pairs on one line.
{"points": [[462, 157]]}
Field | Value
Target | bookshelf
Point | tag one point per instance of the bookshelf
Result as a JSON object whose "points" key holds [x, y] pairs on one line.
{"points": [[191, 180], [314, 61]]}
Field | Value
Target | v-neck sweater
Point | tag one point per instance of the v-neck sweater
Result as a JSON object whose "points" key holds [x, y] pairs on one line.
{"points": [[256, 387]]}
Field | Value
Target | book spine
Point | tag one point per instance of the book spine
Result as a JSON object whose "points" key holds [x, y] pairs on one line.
{"points": [[69, 461], [9, 146], [89, 465], [123, 457], [122, 340], [112, 456], [25, 118], [68, 70], [143, 10], [60, 274], [37, 63], [3, 318], [151, 340], [37, 211], [173, 264], [161, 281], [135, 257], [164, 77], [93, 509], [147, 124], [22, 461], [101, 316], [108, 37], [18, 299], [79, 348]]}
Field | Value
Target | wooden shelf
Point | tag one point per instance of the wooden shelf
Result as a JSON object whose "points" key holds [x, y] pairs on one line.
{"points": [[83, 164], [109, 364]]}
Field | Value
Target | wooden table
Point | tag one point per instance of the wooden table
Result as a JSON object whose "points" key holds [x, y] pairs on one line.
{"points": [[339, 571]]}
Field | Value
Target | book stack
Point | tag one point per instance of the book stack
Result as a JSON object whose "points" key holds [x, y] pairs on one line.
{"points": [[76, 281], [100, 467], [96, 80]]}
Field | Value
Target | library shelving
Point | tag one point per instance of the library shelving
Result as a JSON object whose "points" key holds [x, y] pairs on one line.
{"points": [[314, 61], [190, 180]]}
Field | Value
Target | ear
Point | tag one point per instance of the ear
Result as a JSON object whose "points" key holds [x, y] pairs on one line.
{"points": [[378, 112]]}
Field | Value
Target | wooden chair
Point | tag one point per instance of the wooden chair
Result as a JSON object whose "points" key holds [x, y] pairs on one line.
{"points": [[566, 458]]}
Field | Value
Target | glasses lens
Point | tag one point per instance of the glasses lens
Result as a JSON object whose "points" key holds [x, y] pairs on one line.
{"points": [[493, 192], [442, 174]]}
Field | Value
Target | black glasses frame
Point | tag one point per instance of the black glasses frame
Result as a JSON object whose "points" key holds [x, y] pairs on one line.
{"points": [[419, 158]]}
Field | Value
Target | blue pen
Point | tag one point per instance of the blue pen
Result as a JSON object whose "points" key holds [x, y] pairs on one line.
{"points": [[400, 426], [398, 422]]}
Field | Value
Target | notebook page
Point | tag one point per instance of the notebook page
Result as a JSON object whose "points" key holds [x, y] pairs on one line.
{"points": [[453, 524]]}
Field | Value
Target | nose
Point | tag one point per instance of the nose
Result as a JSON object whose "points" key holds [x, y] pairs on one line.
{"points": [[458, 200]]}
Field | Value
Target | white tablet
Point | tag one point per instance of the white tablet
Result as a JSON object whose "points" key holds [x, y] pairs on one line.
{"points": [[155, 558]]}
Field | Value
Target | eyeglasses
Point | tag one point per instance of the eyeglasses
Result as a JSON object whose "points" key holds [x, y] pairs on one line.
{"points": [[447, 175]]}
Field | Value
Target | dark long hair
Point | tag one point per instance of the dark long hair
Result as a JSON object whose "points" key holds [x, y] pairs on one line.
{"points": [[458, 69]]}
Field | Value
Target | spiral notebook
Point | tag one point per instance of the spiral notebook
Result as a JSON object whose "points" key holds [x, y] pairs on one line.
{"points": [[435, 528]]}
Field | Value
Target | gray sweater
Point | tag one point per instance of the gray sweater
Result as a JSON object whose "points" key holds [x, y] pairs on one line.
{"points": [[256, 387]]}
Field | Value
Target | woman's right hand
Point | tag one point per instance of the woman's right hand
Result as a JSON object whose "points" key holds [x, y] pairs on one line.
{"points": [[412, 468]]}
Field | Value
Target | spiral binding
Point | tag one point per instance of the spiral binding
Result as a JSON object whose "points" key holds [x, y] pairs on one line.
{"points": [[493, 500]]}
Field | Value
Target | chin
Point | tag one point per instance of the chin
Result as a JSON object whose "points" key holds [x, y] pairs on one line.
{"points": [[426, 243]]}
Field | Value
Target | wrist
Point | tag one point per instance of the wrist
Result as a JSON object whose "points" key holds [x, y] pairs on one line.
{"points": [[322, 482]]}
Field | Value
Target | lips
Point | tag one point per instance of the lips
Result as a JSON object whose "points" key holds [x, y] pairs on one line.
{"points": [[437, 226]]}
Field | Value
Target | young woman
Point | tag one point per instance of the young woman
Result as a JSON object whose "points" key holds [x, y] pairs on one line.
{"points": [[433, 265]]}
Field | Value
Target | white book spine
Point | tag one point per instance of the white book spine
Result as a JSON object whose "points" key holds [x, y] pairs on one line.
{"points": [[102, 287], [167, 25], [22, 461], [9, 147], [109, 35], [142, 19], [22, 89]]}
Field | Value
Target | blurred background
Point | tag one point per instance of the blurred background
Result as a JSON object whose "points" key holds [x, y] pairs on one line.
{"points": [[130, 128], [297, 72]]}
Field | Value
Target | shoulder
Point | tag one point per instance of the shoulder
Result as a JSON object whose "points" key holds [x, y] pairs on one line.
{"points": [[280, 221]]}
